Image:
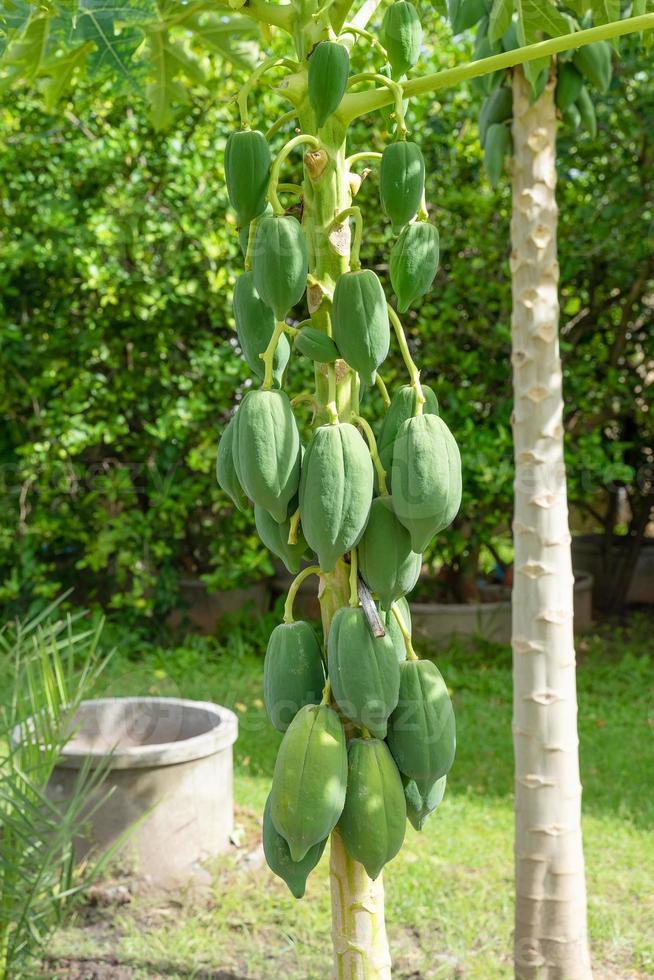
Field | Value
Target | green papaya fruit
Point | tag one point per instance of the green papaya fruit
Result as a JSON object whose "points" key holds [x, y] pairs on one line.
{"points": [[335, 491], [464, 14], [496, 147], [569, 84], [414, 263], [310, 778], [421, 730], [594, 61], [401, 35], [316, 345], [373, 821], [497, 108], [255, 323], [587, 114], [401, 182], [266, 450], [293, 673], [244, 231], [329, 70], [426, 478], [280, 262], [279, 860], [275, 537], [247, 171], [225, 470], [572, 116], [387, 562], [363, 670], [390, 624], [360, 324], [419, 805], [401, 408]]}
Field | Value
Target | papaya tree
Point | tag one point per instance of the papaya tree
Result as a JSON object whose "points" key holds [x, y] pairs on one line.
{"points": [[368, 727], [520, 117]]}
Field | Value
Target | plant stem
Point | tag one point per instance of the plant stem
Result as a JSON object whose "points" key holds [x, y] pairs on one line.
{"points": [[360, 103], [379, 381], [376, 461], [295, 585], [280, 123], [277, 165], [395, 90], [367, 36], [354, 213], [268, 355], [259, 71], [359, 157], [354, 578], [332, 410], [410, 652], [414, 373], [293, 526]]}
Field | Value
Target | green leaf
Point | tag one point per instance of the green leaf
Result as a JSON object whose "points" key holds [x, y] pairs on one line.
{"points": [[535, 18], [58, 72], [605, 11], [23, 55], [116, 29], [500, 19], [223, 36], [168, 59]]}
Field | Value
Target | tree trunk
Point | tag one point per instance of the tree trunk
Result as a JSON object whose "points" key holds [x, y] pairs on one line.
{"points": [[361, 950], [550, 917]]}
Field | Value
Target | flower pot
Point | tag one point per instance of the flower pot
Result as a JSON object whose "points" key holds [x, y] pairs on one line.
{"points": [[491, 619], [169, 770]]}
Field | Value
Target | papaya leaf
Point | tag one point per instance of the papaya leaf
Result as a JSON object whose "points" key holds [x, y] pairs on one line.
{"points": [[58, 72], [116, 29], [23, 55], [535, 18], [605, 11], [224, 37], [500, 19], [168, 60]]}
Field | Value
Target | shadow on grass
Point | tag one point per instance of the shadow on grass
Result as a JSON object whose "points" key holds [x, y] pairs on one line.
{"points": [[112, 968]]}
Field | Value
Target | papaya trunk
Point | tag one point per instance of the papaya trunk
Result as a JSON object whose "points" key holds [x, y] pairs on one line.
{"points": [[361, 950], [550, 916]]}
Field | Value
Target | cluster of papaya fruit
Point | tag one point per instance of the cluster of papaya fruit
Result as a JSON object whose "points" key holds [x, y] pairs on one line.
{"points": [[369, 733]]}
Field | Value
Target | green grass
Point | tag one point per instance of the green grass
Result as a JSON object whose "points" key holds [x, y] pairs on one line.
{"points": [[449, 893]]}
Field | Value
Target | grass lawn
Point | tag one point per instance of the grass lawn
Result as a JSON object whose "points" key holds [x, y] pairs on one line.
{"points": [[449, 893]]}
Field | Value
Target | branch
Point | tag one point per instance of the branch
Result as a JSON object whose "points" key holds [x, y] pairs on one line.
{"points": [[270, 13], [360, 103]]}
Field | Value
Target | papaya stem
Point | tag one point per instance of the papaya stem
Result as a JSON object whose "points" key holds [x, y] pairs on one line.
{"points": [[244, 91], [362, 103], [332, 410], [354, 578], [293, 527], [250, 249], [304, 396], [406, 635], [295, 585], [396, 90], [360, 157], [295, 189], [268, 355], [355, 213], [326, 692], [379, 381], [277, 165], [276, 126], [414, 373], [374, 453], [367, 36]]}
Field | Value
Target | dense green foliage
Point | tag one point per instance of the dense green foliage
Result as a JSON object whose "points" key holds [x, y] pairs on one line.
{"points": [[115, 326]]}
